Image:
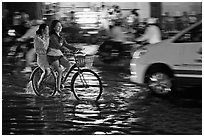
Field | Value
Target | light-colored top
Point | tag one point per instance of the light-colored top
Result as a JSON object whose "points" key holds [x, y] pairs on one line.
{"points": [[152, 35], [40, 47]]}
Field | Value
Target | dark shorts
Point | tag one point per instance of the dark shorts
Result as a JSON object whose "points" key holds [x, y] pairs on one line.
{"points": [[52, 59]]}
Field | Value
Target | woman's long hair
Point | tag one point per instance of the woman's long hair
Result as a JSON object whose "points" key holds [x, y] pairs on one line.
{"points": [[41, 28], [52, 30], [53, 24]]}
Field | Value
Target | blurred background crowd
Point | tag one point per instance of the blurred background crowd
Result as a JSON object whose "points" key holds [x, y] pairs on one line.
{"points": [[89, 22]]}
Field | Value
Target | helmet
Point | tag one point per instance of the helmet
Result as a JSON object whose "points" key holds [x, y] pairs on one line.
{"points": [[152, 21]]}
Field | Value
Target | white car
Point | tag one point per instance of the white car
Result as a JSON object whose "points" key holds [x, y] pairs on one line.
{"points": [[172, 63]]}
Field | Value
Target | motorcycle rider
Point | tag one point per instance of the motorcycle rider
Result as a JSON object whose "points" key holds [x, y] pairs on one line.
{"points": [[30, 34], [115, 42], [116, 32], [104, 17], [152, 33]]}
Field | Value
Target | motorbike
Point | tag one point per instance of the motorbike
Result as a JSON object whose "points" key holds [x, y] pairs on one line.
{"points": [[17, 52], [10, 36], [114, 51], [15, 47], [12, 33]]}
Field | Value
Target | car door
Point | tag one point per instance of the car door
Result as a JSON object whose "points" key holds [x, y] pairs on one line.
{"points": [[191, 41]]}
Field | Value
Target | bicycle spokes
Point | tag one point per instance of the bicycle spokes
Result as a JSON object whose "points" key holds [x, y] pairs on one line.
{"points": [[83, 80], [86, 85], [47, 86]]}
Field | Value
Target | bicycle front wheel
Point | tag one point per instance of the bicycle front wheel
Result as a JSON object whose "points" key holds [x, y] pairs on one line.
{"points": [[47, 87], [86, 85]]}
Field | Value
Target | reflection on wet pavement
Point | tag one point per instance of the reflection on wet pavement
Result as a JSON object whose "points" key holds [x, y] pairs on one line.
{"points": [[124, 108]]}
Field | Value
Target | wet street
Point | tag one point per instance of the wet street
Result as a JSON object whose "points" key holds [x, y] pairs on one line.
{"points": [[124, 109]]}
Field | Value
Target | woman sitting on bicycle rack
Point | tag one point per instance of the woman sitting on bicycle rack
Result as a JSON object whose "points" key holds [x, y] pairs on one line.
{"points": [[41, 43], [54, 54]]}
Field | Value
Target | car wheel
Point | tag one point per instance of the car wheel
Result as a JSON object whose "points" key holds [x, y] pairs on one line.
{"points": [[160, 82]]}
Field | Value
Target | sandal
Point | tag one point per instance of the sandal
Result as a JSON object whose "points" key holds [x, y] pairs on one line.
{"points": [[59, 91]]}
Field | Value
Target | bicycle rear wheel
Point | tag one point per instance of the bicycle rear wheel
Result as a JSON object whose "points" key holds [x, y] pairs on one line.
{"points": [[48, 84], [86, 85]]}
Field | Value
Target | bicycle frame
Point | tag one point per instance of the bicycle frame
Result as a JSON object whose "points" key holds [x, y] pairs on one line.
{"points": [[72, 67], [78, 70], [68, 73], [78, 81]]}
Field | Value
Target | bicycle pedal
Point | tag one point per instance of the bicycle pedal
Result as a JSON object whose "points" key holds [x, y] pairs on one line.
{"points": [[62, 86]]}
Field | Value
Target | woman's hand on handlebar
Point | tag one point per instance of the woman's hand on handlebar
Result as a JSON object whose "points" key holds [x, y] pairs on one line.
{"points": [[77, 50]]}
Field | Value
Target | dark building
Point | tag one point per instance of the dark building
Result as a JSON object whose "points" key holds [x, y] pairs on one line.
{"points": [[34, 9]]}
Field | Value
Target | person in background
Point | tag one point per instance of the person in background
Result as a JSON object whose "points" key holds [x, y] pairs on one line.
{"points": [[25, 19], [135, 16], [118, 12], [185, 20], [41, 43], [54, 54], [30, 34], [133, 22], [192, 18], [104, 17], [116, 32], [116, 38], [167, 22], [24, 23], [152, 33]]}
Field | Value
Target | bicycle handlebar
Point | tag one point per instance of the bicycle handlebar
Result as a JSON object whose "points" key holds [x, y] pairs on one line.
{"points": [[78, 51]]}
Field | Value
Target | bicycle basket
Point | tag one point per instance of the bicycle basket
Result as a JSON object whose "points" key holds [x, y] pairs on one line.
{"points": [[84, 61], [89, 61], [80, 60]]}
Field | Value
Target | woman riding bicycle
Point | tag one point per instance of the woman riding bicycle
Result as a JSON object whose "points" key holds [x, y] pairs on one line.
{"points": [[41, 43], [54, 54]]}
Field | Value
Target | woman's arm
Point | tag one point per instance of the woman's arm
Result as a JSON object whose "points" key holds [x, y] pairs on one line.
{"points": [[39, 46], [65, 44]]}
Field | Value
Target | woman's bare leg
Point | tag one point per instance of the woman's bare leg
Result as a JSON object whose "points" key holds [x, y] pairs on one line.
{"points": [[56, 66], [65, 63], [46, 71], [41, 77]]}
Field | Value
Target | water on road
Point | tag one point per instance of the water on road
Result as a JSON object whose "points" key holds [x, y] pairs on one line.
{"points": [[124, 109]]}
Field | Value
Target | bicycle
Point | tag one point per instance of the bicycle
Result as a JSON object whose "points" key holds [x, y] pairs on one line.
{"points": [[85, 83]]}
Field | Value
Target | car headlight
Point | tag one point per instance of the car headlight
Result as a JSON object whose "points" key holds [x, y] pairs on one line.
{"points": [[139, 53]]}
